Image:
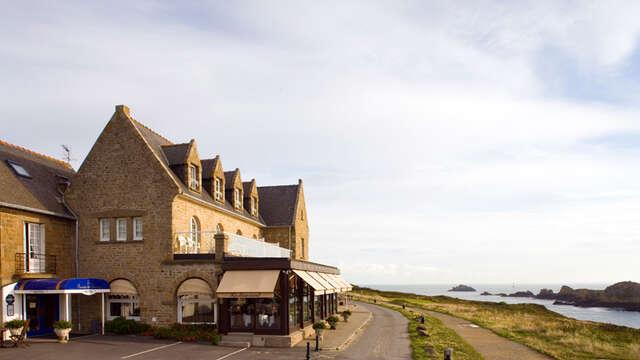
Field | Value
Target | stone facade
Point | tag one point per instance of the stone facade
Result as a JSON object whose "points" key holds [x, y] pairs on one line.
{"points": [[123, 178]]}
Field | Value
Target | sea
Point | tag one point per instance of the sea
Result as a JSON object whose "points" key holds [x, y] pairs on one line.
{"points": [[604, 315]]}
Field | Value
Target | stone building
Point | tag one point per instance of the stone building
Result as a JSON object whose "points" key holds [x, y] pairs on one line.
{"points": [[179, 239], [37, 238]]}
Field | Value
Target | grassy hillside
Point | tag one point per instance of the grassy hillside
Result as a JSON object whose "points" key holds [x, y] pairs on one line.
{"points": [[530, 324]]}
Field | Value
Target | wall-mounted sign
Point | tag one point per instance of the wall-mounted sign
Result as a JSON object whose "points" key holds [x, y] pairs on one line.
{"points": [[10, 299], [9, 309]]}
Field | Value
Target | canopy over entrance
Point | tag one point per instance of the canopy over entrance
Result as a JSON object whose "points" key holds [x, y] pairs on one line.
{"points": [[86, 286], [248, 284]]}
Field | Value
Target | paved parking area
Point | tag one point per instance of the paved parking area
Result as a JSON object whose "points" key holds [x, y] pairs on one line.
{"points": [[141, 348]]}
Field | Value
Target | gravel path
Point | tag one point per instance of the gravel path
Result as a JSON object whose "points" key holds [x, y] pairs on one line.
{"points": [[487, 343]]}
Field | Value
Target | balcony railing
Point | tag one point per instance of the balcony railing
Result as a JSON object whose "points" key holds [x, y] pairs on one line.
{"points": [[34, 263], [203, 242], [242, 246]]}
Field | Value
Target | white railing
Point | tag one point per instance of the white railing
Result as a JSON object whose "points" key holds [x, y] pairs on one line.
{"points": [[242, 246], [203, 242], [194, 242]]}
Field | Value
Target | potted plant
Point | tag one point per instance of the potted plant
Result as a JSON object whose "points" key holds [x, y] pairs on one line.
{"points": [[319, 328], [62, 329], [345, 315], [14, 326], [333, 320]]}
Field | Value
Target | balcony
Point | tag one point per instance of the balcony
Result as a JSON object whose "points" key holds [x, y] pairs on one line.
{"points": [[202, 244], [35, 264]]}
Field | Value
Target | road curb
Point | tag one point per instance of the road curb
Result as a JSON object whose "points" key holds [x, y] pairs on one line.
{"points": [[346, 342]]}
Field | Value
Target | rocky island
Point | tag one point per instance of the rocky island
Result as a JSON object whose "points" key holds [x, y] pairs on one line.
{"points": [[462, 288], [623, 295]]}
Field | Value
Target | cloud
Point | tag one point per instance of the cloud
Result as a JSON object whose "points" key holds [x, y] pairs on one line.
{"points": [[480, 140]]}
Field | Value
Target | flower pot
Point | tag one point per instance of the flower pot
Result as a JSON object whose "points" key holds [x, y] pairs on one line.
{"points": [[15, 331], [62, 334]]}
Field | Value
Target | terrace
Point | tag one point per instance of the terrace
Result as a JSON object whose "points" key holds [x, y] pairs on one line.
{"points": [[202, 245]]}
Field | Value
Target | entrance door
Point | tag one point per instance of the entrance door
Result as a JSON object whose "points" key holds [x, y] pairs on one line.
{"points": [[35, 248], [43, 310]]}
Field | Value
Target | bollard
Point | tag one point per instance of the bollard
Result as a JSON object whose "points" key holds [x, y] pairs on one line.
{"points": [[317, 342], [308, 349], [447, 353]]}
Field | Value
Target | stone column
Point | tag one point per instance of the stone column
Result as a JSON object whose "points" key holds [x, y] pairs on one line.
{"points": [[222, 246]]}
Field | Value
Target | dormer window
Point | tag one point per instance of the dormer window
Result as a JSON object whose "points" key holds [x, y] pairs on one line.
{"points": [[19, 169], [238, 199], [218, 189], [254, 206], [193, 177]]}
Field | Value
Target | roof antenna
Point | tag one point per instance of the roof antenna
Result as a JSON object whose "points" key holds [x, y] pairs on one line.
{"points": [[66, 154]]}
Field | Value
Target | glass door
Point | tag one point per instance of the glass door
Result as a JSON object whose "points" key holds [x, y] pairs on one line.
{"points": [[43, 311], [35, 248]]}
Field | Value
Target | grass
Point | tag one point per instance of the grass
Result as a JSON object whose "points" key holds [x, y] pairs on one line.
{"points": [[441, 337], [530, 324]]}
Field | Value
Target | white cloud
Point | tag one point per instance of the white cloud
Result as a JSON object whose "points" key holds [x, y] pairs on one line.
{"points": [[428, 140]]}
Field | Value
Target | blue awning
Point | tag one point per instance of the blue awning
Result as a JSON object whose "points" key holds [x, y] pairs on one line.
{"points": [[87, 286]]}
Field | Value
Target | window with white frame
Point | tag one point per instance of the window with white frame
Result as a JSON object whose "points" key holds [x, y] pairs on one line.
{"points": [[194, 243], [193, 177], [254, 206], [137, 228], [19, 169], [238, 199], [105, 230], [218, 189], [121, 225]]}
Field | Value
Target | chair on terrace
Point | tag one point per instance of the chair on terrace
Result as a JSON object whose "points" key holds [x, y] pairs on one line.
{"points": [[19, 340]]}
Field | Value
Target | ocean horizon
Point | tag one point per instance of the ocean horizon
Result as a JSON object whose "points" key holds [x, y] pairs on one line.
{"points": [[598, 314]]}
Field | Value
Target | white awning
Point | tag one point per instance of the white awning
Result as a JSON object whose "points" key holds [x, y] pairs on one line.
{"points": [[329, 288], [343, 282], [337, 286], [123, 287], [317, 287], [248, 284], [195, 287]]}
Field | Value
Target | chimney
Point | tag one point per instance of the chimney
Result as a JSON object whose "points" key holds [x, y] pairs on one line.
{"points": [[123, 109]]}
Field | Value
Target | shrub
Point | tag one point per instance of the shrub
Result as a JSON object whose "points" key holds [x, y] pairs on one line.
{"points": [[333, 320], [14, 324], [181, 332], [319, 325], [62, 324], [345, 314], [122, 326]]}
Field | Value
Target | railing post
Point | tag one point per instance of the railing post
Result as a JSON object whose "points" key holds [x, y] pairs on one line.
{"points": [[222, 247]]}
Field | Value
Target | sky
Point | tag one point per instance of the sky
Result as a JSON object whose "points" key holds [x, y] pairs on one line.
{"points": [[439, 142]]}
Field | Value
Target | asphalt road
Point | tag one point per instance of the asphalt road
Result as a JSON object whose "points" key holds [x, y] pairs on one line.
{"points": [[386, 337]]}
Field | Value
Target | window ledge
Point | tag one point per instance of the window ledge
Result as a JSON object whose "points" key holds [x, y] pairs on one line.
{"points": [[118, 242]]}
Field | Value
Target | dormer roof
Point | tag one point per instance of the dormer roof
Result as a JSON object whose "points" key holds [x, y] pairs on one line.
{"points": [[208, 166], [176, 154], [278, 204], [230, 179]]}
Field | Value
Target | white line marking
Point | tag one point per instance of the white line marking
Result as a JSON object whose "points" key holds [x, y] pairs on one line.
{"points": [[150, 350], [82, 336], [233, 353]]}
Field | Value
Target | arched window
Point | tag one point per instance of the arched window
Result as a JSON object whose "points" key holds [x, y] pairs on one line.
{"points": [[196, 303], [123, 300], [194, 244], [219, 229], [239, 232]]}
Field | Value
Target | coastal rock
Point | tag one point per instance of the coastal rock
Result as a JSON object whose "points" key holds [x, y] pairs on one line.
{"points": [[462, 288], [623, 295], [522, 294], [486, 293]]}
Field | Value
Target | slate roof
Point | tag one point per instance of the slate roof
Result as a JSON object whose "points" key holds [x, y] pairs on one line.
{"points": [[246, 188], [277, 204], [207, 167], [228, 179], [176, 153], [158, 144], [40, 191]]}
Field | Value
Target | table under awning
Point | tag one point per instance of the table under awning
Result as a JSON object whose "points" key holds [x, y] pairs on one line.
{"points": [[318, 288], [248, 284]]}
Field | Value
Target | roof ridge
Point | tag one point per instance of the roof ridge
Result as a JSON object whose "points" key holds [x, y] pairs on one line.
{"points": [[172, 144], [64, 163], [150, 130], [265, 186]]}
